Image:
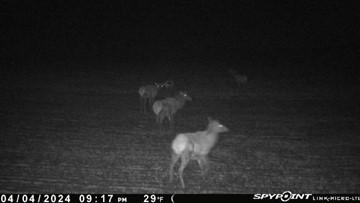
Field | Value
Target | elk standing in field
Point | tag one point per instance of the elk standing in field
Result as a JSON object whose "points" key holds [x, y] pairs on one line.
{"points": [[240, 79], [168, 107], [195, 146], [148, 94]]}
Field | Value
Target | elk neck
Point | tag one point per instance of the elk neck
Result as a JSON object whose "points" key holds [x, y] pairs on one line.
{"points": [[180, 100], [212, 134]]}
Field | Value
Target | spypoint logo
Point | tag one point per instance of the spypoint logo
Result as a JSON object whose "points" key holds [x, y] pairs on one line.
{"points": [[284, 197]]}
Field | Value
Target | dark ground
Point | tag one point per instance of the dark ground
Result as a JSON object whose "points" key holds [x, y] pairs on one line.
{"points": [[81, 131], [69, 107]]}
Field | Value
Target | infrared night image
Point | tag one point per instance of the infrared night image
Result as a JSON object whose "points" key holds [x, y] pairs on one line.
{"points": [[179, 97]]}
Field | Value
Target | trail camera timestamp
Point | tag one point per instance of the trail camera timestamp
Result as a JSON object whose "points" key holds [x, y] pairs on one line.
{"points": [[80, 198], [32, 198], [102, 198], [116, 198]]}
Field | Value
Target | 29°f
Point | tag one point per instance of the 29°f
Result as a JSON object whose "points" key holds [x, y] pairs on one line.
{"points": [[152, 198]]}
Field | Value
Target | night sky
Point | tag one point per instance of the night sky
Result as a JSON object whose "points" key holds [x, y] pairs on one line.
{"points": [[314, 36]]}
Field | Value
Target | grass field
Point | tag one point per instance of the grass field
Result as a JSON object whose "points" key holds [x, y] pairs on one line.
{"points": [[83, 132]]}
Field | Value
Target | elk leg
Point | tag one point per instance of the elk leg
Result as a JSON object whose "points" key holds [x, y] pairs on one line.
{"points": [[151, 101], [203, 163], [174, 159], [185, 158], [157, 118], [171, 122], [161, 120]]}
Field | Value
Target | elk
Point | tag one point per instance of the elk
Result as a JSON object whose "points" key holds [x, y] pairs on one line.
{"points": [[168, 107], [240, 79], [148, 93], [195, 146]]}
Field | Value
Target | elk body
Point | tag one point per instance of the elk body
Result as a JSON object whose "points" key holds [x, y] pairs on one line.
{"points": [[195, 146], [240, 79], [168, 107], [148, 94]]}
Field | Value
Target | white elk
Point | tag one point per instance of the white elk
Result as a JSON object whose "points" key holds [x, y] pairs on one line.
{"points": [[167, 108], [195, 146], [148, 93]]}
